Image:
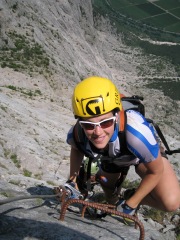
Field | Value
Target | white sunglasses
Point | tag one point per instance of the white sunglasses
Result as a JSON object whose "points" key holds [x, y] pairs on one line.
{"points": [[103, 124]]}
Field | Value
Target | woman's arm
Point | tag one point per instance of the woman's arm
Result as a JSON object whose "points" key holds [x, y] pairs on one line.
{"points": [[150, 174], [76, 158]]}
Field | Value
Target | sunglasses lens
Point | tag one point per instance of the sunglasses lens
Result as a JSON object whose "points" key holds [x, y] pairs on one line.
{"points": [[107, 123], [87, 126]]}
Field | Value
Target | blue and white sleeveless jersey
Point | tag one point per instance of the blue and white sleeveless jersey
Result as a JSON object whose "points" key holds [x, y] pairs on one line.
{"points": [[141, 138]]}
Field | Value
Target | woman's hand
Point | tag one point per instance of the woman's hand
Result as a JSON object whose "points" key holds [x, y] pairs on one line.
{"points": [[72, 191], [124, 208]]}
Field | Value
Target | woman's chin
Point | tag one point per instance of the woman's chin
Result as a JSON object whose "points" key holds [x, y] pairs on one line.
{"points": [[99, 145]]}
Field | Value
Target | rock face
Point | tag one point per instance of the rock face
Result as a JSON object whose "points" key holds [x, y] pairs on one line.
{"points": [[35, 112]]}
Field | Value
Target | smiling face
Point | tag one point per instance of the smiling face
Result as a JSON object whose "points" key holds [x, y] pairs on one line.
{"points": [[100, 136]]}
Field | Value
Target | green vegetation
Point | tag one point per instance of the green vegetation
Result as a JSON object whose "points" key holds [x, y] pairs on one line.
{"points": [[6, 152], [143, 17], [11, 87], [140, 11], [51, 183], [27, 173], [3, 108], [25, 56], [170, 88], [175, 12], [29, 93], [159, 217], [162, 21], [136, 20], [14, 7], [7, 194], [127, 184], [155, 214], [13, 157], [39, 201], [168, 4], [152, 213], [178, 233]]}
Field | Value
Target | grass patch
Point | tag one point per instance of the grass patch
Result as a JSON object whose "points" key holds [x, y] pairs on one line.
{"points": [[7, 194], [155, 215], [51, 183], [27, 92], [127, 184], [3, 108], [27, 173], [26, 56], [13, 157]]}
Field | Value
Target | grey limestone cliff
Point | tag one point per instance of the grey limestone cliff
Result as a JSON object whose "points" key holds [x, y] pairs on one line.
{"points": [[46, 47]]}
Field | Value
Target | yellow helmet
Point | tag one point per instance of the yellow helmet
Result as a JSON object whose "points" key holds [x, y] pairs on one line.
{"points": [[95, 96]]}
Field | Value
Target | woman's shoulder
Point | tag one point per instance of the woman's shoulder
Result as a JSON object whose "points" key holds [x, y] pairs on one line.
{"points": [[140, 136], [137, 124], [135, 116]]}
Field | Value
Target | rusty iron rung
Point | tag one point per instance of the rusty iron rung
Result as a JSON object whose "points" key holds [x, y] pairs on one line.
{"points": [[108, 208]]}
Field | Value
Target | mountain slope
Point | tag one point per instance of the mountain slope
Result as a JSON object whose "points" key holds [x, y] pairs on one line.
{"points": [[52, 45]]}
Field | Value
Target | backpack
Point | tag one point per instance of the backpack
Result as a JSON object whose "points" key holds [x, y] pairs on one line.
{"points": [[135, 103]]}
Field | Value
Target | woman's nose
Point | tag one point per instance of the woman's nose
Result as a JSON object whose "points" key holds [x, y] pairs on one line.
{"points": [[97, 129]]}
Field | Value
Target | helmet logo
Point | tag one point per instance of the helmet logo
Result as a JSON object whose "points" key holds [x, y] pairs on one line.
{"points": [[117, 100], [93, 106]]}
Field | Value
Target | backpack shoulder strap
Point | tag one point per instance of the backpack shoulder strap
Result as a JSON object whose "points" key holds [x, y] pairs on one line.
{"points": [[168, 150], [122, 121], [122, 132]]}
